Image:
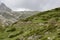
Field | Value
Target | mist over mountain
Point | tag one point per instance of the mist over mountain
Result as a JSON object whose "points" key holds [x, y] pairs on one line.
{"points": [[32, 4], [23, 9]]}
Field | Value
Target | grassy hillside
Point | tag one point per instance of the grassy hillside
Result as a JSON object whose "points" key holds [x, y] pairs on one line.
{"points": [[43, 26]]}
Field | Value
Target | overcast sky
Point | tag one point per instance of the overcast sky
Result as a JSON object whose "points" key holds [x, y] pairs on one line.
{"points": [[32, 4]]}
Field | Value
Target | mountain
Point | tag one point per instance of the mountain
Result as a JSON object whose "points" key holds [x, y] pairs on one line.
{"points": [[3, 7], [8, 16], [41, 26]]}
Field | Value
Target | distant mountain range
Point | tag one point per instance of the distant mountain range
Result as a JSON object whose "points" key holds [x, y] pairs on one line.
{"points": [[8, 16]]}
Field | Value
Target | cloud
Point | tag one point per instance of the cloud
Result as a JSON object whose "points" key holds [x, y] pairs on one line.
{"points": [[23, 9], [32, 4], [50, 4]]}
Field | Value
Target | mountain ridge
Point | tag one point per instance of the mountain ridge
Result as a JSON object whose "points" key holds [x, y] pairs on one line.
{"points": [[11, 16], [42, 26], [3, 7]]}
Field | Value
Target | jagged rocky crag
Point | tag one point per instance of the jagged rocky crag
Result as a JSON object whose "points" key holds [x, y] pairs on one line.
{"points": [[7, 16], [3, 7]]}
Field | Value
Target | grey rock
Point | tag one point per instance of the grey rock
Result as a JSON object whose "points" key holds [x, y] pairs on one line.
{"points": [[8, 17], [3, 7]]}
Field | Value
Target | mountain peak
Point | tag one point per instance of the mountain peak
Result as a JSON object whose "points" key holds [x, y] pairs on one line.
{"points": [[2, 4], [3, 7]]}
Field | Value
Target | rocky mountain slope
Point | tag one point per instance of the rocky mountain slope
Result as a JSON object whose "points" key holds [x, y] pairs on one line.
{"points": [[42, 26], [3, 8], [8, 17], [29, 25]]}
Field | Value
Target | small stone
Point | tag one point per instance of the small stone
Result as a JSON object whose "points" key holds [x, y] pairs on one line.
{"points": [[49, 38]]}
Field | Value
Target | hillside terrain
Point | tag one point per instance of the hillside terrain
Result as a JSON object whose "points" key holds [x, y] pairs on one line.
{"points": [[42, 26], [8, 16]]}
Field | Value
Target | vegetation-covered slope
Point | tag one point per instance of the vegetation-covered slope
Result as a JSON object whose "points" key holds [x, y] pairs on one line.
{"points": [[43, 26]]}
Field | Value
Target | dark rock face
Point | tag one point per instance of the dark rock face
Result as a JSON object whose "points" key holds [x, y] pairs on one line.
{"points": [[3, 7]]}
